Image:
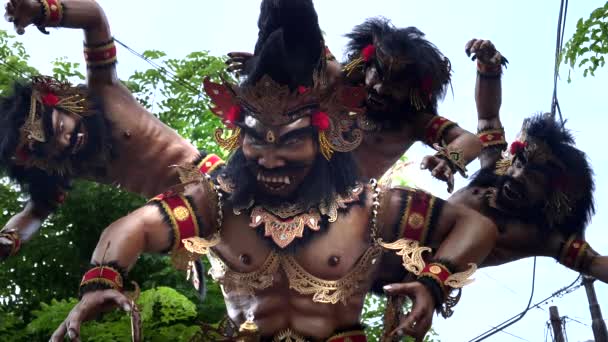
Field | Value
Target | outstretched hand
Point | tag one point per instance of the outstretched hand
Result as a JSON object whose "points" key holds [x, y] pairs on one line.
{"points": [[236, 61], [90, 306], [418, 321], [440, 169], [484, 51], [21, 13]]}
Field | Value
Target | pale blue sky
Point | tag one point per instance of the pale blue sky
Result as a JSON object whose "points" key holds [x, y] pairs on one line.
{"points": [[524, 31]]}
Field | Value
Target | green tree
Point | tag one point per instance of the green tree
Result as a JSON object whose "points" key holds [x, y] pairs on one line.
{"points": [[589, 45], [50, 266]]}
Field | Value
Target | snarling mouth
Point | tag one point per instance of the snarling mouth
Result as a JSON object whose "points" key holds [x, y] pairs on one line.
{"points": [[274, 183]]}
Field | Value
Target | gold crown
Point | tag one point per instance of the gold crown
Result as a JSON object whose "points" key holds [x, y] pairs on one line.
{"points": [[274, 104]]}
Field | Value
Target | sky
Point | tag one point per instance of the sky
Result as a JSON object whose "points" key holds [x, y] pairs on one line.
{"points": [[524, 31]]}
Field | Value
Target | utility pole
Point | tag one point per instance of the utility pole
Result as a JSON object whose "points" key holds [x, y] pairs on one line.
{"points": [[598, 325], [556, 323]]}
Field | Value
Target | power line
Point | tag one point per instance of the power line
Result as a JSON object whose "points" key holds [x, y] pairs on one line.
{"points": [[170, 74], [561, 25], [561, 292]]}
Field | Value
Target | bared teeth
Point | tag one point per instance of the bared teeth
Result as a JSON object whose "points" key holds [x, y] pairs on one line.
{"points": [[277, 180], [286, 180]]}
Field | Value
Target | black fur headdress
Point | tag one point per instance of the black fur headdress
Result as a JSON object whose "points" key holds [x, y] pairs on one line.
{"points": [[405, 50]]}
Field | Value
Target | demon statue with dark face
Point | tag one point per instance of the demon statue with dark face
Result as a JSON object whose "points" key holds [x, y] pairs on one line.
{"points": [[295, 238], [52, 133], [539, 192]]}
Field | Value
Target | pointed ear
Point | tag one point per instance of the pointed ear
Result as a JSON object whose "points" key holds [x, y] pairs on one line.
{"points": [[222, 97]]}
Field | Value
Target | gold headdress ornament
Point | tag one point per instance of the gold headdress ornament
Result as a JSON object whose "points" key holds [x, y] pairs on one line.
{"points": [[332, 110], [47, 93]]}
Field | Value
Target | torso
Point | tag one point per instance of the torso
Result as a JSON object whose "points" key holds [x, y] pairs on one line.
{"points": [[145, 147], [329, 257]]}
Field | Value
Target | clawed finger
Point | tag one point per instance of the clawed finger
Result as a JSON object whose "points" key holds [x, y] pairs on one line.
{"points": [[450, 181], [468, 45], [60, 333]]}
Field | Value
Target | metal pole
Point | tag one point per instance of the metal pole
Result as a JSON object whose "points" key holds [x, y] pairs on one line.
{"points": [[556, 323], [598, 325]]}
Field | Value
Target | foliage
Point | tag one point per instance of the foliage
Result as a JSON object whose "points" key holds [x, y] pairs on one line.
{"points": [[50, 266], [589, 44], [373, 311], [174, 93], [166, 316]]}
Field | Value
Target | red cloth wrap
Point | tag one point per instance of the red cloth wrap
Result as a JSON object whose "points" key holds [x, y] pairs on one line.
{"points": [[100, 56], [572, 253], [416, 217], [53, 12], [103, 274], [492, 137], [435, 129], [209, 163], [438, 272], [181, 217]]}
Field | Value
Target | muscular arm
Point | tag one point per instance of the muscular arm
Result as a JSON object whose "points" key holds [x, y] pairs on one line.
{"points": [[488, 93]]}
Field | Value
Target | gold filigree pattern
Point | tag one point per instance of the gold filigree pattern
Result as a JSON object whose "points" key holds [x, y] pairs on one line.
{"points": [[282, 231], [331, 291], [410, 251], [229, 143], [288, 335], [275, 104], [454, 157], [461, 279], [331, 209], [231, 281]]}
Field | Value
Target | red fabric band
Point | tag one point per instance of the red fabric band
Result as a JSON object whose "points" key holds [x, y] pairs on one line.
{"points": [[209, 163], [438, 272], [53, 12], [103, 274], [417, 216], [181, 217], [573, 252], [492, 137], [435, 129], [100, 56]]}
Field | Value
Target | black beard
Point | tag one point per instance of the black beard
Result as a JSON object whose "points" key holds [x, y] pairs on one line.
{"points": [[394, 117], [504, 209], [96, 152], [324, 181]]}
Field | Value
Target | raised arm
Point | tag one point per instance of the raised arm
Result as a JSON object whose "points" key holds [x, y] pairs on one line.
{"points": [[157, 227], [488, 98], [100, 52]]}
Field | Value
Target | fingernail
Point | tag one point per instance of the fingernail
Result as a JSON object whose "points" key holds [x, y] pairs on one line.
{"points": [[126, 307], [387, 287], [71, 334], [422, 166], [400, 332]]}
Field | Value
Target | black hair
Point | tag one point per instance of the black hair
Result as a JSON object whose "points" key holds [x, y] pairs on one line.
{"points": [[407, 42], [577, 181], [43, 186]]}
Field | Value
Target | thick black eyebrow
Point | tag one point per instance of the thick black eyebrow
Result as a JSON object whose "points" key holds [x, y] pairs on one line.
{"points": [[250, 131], [296, 133]]}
